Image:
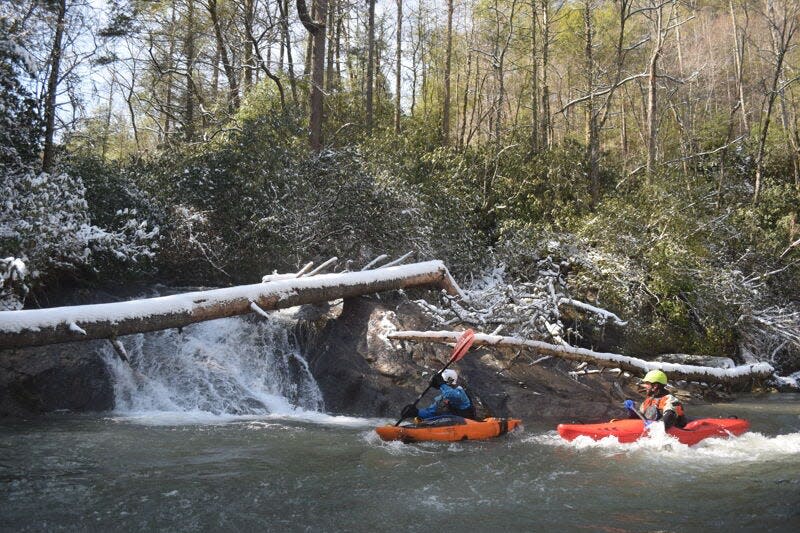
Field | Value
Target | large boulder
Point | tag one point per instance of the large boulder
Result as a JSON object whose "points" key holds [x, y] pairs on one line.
{"points": [[51, 378], [361, 372]]}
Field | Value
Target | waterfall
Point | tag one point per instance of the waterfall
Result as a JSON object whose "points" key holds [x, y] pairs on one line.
{"points": [[230, 366]]}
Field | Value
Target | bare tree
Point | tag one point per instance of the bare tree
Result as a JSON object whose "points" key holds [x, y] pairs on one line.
{"points": [[660, 27], [283, 5], [534, 138], [545, 123], [447, 67], [316, 30], [226, 54], [189, 50], [48, 156], [781, 19], [399, 66], [370, 63], [255, 50]]}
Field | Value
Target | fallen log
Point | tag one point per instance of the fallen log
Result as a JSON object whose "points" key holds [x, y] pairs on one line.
{"points": [[39, 327], [707, 374]]}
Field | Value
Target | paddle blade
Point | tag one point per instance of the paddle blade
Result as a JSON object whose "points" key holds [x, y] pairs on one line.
{"points": [[462, 346]]}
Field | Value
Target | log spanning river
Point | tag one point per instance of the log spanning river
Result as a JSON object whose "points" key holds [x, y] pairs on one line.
{"points": [[184, 454]]}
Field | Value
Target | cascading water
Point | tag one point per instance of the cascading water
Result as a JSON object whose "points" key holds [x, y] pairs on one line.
{"points": [[231, 366]]}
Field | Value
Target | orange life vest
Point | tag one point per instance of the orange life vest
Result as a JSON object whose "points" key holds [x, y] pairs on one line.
{"points": [[653, 407]]}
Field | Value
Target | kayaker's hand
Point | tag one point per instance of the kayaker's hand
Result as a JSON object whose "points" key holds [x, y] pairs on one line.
{"points": [[437, 381], [647, 423], [630, 405], [409, 411]]}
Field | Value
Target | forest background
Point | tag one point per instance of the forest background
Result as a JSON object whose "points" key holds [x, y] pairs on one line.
{"points": [[648, 149]]}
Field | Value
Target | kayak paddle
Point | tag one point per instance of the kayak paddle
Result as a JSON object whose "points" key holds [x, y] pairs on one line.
{"points": [[459, 351], [646, 422]]}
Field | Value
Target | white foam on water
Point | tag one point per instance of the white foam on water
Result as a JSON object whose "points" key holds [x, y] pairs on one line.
{"points": [[315, 417], [435, 503], [750, 447], [399, 448]]}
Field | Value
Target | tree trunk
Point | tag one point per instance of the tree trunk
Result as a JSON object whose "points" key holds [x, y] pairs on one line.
{"points": [[399, 67], [129, 102], [167, 108], [652, 109], [188, 115], [330, 79], [283, 5], [48, 156], [338, 41], [227, 64], [534, 82], [107, 129], [592, 131], [601, 359], [623, 132], [465, 101], [782, 29], [249, 45], [738, 57], [447, 66], [316, 30], [546, 128], [370, 63], [77, 323]]}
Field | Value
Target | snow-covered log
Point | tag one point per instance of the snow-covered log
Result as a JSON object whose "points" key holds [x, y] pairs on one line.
{"points": [[103, 321], [707, 374], [603, 313]]}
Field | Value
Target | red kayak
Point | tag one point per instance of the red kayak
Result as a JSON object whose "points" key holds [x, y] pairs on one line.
{"points": [[629, 430]]}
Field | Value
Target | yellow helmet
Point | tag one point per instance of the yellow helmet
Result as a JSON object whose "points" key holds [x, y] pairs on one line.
{"points": [[655, 376]]}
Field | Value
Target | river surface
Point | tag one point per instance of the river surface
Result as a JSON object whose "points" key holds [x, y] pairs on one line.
{"points": [[221, 427], [312, 472]]}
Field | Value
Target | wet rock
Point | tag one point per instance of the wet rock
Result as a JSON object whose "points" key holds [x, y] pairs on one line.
{"points": [[38, 380], [363, 373]]}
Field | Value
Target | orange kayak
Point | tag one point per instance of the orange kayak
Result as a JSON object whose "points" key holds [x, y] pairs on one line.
{"points": [[629, 430], [449, 428]]}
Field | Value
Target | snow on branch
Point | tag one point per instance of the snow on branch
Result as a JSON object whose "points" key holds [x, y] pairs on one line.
{"points": [[526, 310], [603, 313], [771, 334], [374, 262], [75, 328], [323, 266], [600, 359], [256, 309], [398, 260]]}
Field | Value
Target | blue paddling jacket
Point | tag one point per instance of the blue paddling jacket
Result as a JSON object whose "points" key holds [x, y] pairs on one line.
{"points": [[451, 400]]}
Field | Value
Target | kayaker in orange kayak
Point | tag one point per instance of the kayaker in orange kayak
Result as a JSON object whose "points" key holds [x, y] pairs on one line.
{"points": [[658, 403], [453, 399]]}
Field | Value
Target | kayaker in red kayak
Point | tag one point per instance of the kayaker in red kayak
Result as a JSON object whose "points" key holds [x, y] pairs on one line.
{"points": [[453, 399], [658, 403]]}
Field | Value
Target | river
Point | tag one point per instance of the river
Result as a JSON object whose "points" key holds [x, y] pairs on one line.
{"points": [[171, 459]]}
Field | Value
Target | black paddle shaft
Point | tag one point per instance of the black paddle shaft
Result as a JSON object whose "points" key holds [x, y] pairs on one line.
{"points": [[424, 392]]}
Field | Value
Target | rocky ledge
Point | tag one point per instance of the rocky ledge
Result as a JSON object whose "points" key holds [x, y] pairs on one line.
{"points": [[359, 371]]}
